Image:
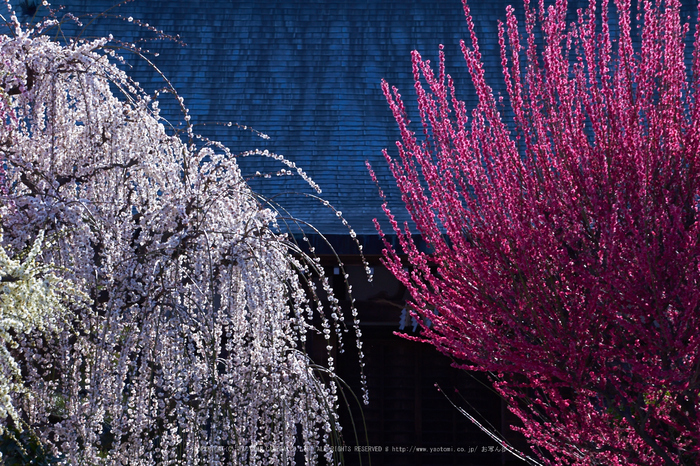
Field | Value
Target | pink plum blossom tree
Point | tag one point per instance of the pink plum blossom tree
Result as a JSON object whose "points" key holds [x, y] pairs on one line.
{"points": [[188, 347], [563, 242]]}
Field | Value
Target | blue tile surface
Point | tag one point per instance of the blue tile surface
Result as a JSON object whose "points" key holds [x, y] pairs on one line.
{"points": [[308, 74]]}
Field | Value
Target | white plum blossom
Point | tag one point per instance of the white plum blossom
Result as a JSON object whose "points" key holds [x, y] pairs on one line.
{"points": [[30, 299], [190, 346]]}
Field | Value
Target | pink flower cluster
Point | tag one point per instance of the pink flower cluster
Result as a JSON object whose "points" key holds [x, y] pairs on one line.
{"points": [[564, 253]]}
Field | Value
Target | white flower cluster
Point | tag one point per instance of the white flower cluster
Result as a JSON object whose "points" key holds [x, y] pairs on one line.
{"points": [[190, 350], [29, 300]]}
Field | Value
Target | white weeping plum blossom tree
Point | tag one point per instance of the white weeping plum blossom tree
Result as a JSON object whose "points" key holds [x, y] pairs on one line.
{"points": [[188, 347]]}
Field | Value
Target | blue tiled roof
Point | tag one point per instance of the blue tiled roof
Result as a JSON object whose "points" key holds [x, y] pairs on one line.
{"points": [[308, 74]]}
